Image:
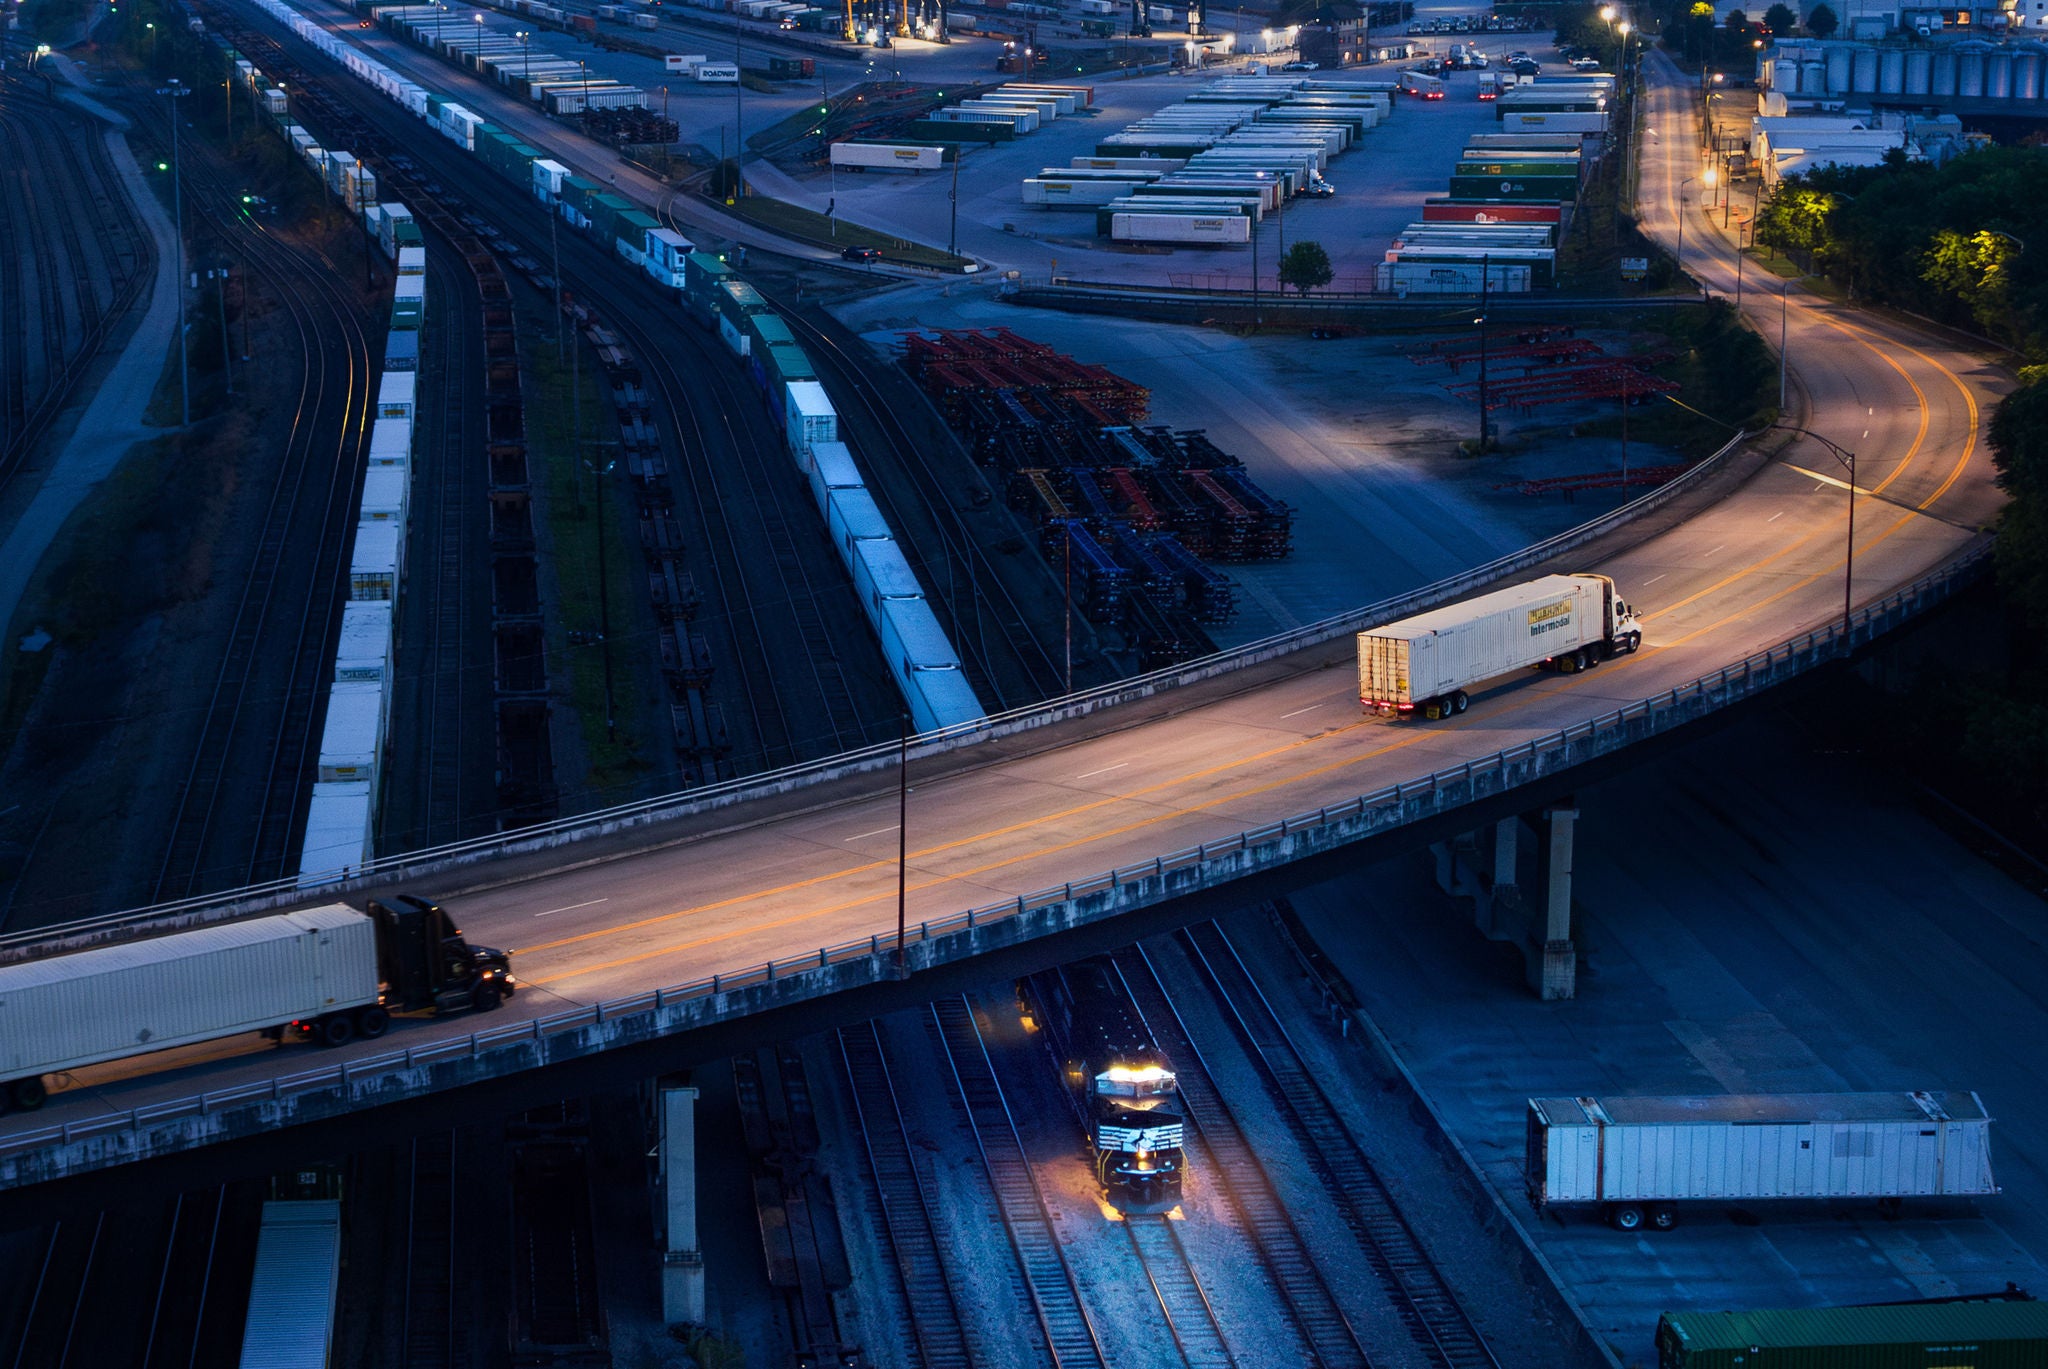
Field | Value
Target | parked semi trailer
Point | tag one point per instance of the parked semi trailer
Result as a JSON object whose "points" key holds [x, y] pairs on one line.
{"points": [[329, 973], [1990, 1333], [1428, 663], [1638, 1158]]}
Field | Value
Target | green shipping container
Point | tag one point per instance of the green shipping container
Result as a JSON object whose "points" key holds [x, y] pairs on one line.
{"points": [[768, 330], [1952, 1335], [406, 233], [604, 214], [1561, 189], [406, 315], [786, 362], [631, 228]]}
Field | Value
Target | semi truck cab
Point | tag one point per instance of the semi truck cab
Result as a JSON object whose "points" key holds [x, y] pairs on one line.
{"points": [[1623, 632], [425, 962]]}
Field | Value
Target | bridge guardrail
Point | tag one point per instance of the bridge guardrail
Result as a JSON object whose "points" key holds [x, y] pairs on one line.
{"points": [[711, 998], [230, 904]]}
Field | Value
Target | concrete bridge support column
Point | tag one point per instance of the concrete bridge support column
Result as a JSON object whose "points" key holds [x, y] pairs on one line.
{"points": [[682, 1262], [1481, 866], [1553, 959]]}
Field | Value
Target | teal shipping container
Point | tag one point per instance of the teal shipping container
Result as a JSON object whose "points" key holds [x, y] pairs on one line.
{"points": [[1951, 1335]]}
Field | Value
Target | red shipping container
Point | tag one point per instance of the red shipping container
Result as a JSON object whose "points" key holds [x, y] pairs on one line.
{"points": [[1490, 211]]}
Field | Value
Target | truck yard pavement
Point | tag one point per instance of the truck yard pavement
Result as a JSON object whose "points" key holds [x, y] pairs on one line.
{"points": [[1754, 915]]}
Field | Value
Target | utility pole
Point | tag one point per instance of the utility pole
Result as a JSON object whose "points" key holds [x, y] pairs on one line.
{"points": [[902, 841], [1784, 289], [220, 278], [1255, 277], [739, 112], [555, 249], [174, 91], [604, 600], [1485, 279], [953, 208]]}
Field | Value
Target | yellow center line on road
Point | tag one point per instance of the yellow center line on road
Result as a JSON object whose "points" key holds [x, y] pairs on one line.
{"points": [[810, 914]]}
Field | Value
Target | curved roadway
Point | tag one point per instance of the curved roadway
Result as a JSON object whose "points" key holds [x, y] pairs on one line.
{"points": [[784, 877]]}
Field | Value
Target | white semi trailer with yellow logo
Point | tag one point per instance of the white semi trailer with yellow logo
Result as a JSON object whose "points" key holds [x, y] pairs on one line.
{"points": [[1428, 664]]}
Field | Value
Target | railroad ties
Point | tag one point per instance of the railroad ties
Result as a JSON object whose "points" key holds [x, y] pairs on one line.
{"points": [[1188, 1313], [1426, 1304], [905, 1205], [1259, 1207], [1068, 1331]]}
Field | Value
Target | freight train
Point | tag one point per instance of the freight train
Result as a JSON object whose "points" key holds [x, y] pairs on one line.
{"points": [[920, 656], [1121, 1084]]}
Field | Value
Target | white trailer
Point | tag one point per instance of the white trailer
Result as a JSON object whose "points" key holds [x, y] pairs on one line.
{"points": [[391, 442], [352, 738], [852, 517], [340, 827], [1053, 192], [395, 392], [664, 254], [364, 654], [1514, 121], [888, 156], [1638, 1157], [687, 63], [66, 1012], [718, 73], [881, 573], [374, 570], [1428, 663], [830, 467], [547, 180], [1227, 230], [807, 417]]}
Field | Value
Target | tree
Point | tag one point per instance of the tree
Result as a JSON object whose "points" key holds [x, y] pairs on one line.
{"points": [[1736, 22], [2019, 447], [1780, 20], [1821, 21], [1306, 267]]}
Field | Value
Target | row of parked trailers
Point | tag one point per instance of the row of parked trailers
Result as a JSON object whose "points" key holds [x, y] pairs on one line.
{"points": [[558, 84], [999, 114], [920, 656], [1208, 170], [1499, 227], [341, 819]]}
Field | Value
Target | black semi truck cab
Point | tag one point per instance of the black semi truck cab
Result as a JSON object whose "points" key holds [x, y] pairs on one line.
{"points": [[424, 961]]}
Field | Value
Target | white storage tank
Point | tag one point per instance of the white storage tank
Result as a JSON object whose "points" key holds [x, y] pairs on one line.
{"points": [[1891, 72], [1863, 72], [1919, 71], [1839, 60], [1942, 80]]}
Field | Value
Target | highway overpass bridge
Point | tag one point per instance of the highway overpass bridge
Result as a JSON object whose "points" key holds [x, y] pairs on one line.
{"points": [[654, 936]]}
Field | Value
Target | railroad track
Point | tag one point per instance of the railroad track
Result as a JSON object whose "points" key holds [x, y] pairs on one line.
{"points": [[1330, 1339], [763, 620], [1069, 1331], [905, 1204], [1011, 666], [51, 191], [1427, 1305], [429, 1336], [1172, 1276], [310, 503]]}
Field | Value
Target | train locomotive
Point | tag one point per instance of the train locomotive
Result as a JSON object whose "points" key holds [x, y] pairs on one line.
{"points": [[1121, 1084]]}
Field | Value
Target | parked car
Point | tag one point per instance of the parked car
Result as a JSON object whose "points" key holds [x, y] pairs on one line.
{"points": [[1302, 66], [1585, 64]]}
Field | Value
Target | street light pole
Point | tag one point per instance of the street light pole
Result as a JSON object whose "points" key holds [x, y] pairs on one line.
{"points": [[1848, 461], [173, 92], [902, 841], [1485, 280]]}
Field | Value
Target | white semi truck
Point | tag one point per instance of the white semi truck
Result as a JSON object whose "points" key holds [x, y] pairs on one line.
{"points": [[329, 973], [1428, 664], [1638, 1158]]}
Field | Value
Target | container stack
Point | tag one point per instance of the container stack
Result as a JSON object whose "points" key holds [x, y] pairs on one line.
{"points": [[1133, 513]]}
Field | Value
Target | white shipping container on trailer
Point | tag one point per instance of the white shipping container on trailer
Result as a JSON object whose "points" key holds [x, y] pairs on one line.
{"points": [[830, 466], [364, 654], [664, 254], [412, 261], [384, 494], [391, 442], [1427, 664], [1640, 1155], [395, 394], [880, 573], [65, 1012], [411, 286], [292, 1293], [352, 738], [1193, 230], [547, 180], [853, 517], [916, 646], [808, 416], [340, 832], [390, 215], [1050, 192], [945, 698], [373, 571], [888, 156]]}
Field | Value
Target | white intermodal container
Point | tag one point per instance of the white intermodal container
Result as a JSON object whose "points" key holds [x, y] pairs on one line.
{"points": [[808, 417], [412, 261], [1227, 230], [1427, 664], [373, 570], [340, 833], [1635, 1154], [69, 1011], [395, 394], [888, 156], [830, 466], [364, 653], [384, 494], [853, 517], [352, 738], [881, 573], [547, 180], [391, 442]]}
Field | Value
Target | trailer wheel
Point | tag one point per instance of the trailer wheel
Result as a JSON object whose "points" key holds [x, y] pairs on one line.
{"points": [[30, 1093], [1460, 701], [372, 1022], [335, 1031], [1663, 1217], [1625, 1217]]}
